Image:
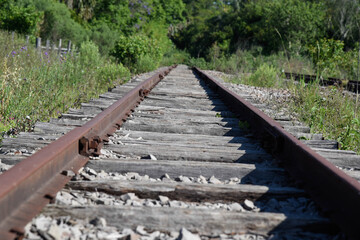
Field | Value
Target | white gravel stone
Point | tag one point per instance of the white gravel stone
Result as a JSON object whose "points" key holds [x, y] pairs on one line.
{"points": [[187, 235], [128, 196], [57, 232], [214, 180], [249, 205], [90, 171], [150, 157], [155, 235], [42, 223], [98, 222], [165, 176], [68, 173], [140, 230], [164, 199], [183, 179], [235, 207], [202, 179], [133, 176]]}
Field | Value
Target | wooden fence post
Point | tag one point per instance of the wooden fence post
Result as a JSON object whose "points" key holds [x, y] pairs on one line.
{"points": [[47, 45], [69, 46], [59, 48], [27, 40], [38, 44]]}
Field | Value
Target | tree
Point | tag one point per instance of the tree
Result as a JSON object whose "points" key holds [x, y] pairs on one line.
{"points": [[343, 20], [22, 19]]}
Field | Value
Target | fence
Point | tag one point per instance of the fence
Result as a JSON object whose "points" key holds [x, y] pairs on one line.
{"points": [[70, 48], [53, 47]]}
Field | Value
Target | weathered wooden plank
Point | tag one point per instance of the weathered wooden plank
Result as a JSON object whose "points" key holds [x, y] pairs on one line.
{"points": [[159, 90], [222, 171], [77, 116], [299, 129], [184, 128], [210, 130], [334, 152], [48, 128], [68, 122], [191, 138], [185, 100], [171, 116], [23, 143], [185, 105], [346, 160], [193, 154], [35, 136], [87, 110], [306, 136], [325, 144], [189, 112], [191, 144], [191, 121], [189, 192], [196, 220], [354, 174]]}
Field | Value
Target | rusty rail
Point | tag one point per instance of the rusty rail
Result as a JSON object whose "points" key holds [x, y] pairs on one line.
{"points": [[351, 85], [337, 193], [28, 186]]}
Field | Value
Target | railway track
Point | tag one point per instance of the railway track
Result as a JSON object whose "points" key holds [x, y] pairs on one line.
{"points": [[350, 85], [182, 166]]}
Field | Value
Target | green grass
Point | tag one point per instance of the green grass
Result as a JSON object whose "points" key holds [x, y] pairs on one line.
{"points": [[36, 86], [326, 110], [330, 112]]}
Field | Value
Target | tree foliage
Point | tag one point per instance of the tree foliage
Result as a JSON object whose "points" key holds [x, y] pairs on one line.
{"points": [[24, 20]]}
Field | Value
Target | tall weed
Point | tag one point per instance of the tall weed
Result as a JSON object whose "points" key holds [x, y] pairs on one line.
{"points": [[330, 112], [36, 86]]}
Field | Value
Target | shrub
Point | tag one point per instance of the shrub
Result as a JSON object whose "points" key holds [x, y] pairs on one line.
{"points": [[329, 112], [23, 20], [198, 62], [264, 76], [145, 64], [129, 50], [175, 56], [112, 74], [332, 61], [89, 54], [36, 86]]}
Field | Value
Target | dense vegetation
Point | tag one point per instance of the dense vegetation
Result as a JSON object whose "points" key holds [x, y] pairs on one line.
{"points": [[254, 40], [36, 86]]}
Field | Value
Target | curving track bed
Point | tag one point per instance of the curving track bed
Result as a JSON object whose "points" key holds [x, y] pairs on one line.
{"points": [[182, 166]]}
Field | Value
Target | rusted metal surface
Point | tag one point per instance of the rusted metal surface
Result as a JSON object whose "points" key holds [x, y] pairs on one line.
{"points": [[351, 85], [337, 193], [27, 187]]}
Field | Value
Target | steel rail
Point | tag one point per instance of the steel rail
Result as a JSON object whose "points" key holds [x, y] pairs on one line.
{"points": [[28, 186], [337, 193], [350, 85]]}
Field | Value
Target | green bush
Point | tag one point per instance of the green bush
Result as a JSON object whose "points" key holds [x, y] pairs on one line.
{"points": [[36, 86], [264, 76], [198, 62], [332, 61], [104, 37], [24, 20], [175, 56], [112, 74], [145, 64], [329, 112], [89, 55], [58, 23], [130, 50]]}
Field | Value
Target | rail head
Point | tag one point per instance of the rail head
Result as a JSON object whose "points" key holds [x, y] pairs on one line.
{"points": [[337, 193], [28, 186]]}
